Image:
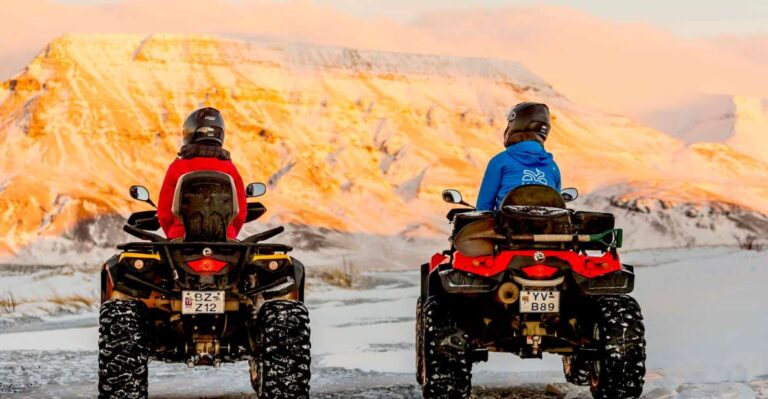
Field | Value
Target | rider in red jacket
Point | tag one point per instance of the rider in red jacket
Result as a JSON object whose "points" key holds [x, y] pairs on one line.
{"points": [[202, 150]]}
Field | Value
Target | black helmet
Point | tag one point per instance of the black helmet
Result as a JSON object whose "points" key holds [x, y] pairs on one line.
{"points": [[204, 125], [530, 118]]}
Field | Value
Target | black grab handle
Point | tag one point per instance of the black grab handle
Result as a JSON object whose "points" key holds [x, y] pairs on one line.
{"points": [[144, 235], [265, 235]]}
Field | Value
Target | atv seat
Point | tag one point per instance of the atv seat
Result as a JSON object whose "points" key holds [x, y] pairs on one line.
{"points": [[534, 195], [206, 203]]}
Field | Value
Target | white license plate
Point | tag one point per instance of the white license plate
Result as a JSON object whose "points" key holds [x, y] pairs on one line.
{"points": [[197, 302], [538, 301]]}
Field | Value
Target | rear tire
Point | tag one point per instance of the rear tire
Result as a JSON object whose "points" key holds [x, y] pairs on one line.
{"points": [[447, 373], [123, 349], [619, 331], [283, 364], [419, 343]]}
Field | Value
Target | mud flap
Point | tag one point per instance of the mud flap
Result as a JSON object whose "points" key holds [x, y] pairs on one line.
{"points": [[459, 282], [618, 282], [424, 281]]}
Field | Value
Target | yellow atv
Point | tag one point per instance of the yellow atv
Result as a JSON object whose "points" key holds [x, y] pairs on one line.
{"points": [[203, 300]]}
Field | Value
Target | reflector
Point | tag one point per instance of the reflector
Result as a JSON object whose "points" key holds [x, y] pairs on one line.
{"points": [[539, 271], [207, 265]]}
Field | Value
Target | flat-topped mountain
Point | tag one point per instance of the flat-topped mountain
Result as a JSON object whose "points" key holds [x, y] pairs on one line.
{"points": [[348, 140]]}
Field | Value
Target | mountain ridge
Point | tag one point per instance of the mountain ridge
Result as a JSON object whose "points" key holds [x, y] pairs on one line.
{"points": [[339, 134], [739, 121]]}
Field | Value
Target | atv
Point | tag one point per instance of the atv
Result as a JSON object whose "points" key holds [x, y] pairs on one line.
{"points": [[530, 278], [203, 299]]}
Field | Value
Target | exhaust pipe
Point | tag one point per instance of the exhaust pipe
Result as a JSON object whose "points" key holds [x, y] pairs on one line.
{"points": [[508, 293]]}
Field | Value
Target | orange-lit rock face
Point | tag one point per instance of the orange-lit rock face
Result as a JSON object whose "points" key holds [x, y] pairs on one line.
{"points": [[351, 140]]}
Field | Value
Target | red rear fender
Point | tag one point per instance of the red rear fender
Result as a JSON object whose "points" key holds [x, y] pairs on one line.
{"points": [[437, 259], [587, 266]]}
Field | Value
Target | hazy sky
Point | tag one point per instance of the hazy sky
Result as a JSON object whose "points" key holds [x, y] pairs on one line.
{"points": [[685, 17]]}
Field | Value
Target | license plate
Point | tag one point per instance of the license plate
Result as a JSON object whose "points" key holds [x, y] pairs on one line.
{"points": [[201, 302], [539, 301]]}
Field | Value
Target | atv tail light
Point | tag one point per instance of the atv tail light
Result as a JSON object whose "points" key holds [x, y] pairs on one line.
{"points": [[540, 271], [207, 265], [596, 267]]}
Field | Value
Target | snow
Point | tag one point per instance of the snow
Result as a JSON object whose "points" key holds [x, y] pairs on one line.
{"points": [[42, 291], [706, 118], [67, 339], [680, 219], [704, 313], [722, 311], [739, 121]]}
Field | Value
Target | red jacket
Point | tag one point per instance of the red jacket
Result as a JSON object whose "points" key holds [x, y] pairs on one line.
{"points": [[172, 226]]}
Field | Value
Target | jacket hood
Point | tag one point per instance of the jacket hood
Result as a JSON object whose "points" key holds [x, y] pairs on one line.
{"points": [[529, 153]]}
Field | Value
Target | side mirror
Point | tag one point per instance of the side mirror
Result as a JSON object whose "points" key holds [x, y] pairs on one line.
{"points": [[452, 196], [255, 190], [569, 194], [140, 193]]}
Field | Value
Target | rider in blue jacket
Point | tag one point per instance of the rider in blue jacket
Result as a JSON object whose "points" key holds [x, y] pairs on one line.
{"points": [[524, 161]]}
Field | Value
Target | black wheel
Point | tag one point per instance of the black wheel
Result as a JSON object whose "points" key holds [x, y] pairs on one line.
{"points": [[575, 369], [123, 349], [419, 343], [619, 332], [282, 366], [447, 370]]}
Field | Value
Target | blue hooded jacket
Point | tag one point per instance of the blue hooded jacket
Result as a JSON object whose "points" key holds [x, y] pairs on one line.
{"points": [[523, 163]]}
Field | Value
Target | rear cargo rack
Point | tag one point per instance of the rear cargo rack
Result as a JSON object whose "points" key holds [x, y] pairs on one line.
{"points": [[255, 248]]}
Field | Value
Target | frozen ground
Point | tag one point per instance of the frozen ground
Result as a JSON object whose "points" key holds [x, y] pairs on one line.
{"points": [[705, 311]]}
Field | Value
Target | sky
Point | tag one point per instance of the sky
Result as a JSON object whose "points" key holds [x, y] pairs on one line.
{"points": [[684, 17], [625, 57]]}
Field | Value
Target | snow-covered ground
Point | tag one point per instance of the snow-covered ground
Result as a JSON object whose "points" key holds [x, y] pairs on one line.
{"points": [[706, 320]]}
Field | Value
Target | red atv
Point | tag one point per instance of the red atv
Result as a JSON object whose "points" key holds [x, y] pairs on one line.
{"points": [[533, 277]]}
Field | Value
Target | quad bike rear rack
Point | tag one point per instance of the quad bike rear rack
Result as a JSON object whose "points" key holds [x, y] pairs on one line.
{"points": [[261, 247]]}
